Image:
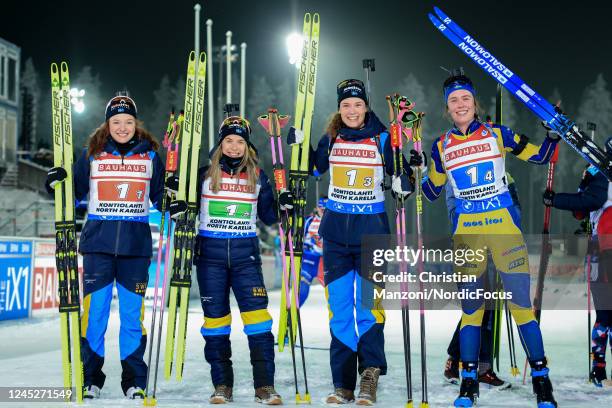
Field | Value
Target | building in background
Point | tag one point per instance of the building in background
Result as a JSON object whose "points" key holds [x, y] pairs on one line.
{"points": [[9, 102]]}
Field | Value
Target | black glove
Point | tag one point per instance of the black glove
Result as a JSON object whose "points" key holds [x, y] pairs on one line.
{"points": [[550, 133], [172, 184], [295, 136], [418, 160], [548, 198], [55, 175], [285, 200], [177, 208]]}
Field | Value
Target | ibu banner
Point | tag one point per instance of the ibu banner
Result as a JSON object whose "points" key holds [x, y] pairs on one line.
{"points": [[15, 279]]}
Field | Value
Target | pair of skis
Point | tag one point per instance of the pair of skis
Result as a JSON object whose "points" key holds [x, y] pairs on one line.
{"points": [[404, 122], [171, 143], [65, 233], [185, 228], [553, 116], [291, 227]]}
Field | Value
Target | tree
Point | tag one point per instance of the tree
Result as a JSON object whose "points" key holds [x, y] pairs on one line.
{"points": [[86, 122], [596, 107], [509, 111], [156, 116], [261, 98]]}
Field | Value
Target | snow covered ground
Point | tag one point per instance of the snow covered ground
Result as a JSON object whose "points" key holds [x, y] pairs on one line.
{"points": [[30, 356]]}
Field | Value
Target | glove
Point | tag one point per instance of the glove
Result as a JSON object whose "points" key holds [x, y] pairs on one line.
{"points": [[177, 208], [295, 136], [550, 133], [285, 200], [548, 198], [56, 175], [418, 160], [401, 186], [172, 184]]}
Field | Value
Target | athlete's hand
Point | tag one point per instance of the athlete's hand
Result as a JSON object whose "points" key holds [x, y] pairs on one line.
{"points": [[401, 186], [172, 184], [177, 208], [418, 160], [295, 136], [56, 175], [548, 198], [550, 133], [285, 200]]}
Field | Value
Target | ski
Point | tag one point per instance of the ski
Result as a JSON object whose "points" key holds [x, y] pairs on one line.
{"points": [[185, 229], [290, 326], [65, 233], [159, 301], [555, 118]]}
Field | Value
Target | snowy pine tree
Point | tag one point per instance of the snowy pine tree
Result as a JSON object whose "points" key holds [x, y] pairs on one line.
{"points": [[596, 107], [86, 122], [261, 98]]}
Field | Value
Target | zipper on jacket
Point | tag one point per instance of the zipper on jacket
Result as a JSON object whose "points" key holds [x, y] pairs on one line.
{"points": [[117, 238]]}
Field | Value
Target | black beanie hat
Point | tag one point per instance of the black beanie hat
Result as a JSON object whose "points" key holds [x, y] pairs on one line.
{"points": [[351, 88], [234, 125], [121, 104]]}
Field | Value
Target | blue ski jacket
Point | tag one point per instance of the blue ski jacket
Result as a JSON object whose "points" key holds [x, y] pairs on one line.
{"points": [[347, 229], [125, 238], [591, 196]]}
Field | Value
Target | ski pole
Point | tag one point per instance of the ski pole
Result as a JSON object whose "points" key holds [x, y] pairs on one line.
{"points": [[400, 231], [588, 279], [170, 169], [546, 248], [369, 66], [417, 138]]}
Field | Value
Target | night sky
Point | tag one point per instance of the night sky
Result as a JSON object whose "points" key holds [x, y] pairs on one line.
{"points": [[134, 43]]}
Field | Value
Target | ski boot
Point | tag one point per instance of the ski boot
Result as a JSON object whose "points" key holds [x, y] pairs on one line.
{"points": [[222, 395], [491, 380], [135, 393], [542, 387], [91, 392], [451, 371], [598, 372], [368, 386], [469, 391], [267, 395], [340, 396]]}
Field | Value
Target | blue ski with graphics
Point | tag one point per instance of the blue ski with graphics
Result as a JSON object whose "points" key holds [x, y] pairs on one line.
{"points": [[555, 118]]}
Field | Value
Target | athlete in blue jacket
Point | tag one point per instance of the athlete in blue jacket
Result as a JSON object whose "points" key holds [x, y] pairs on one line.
{"points": [[233, 193], [594, 199], [313, 249], [357, 152], [471, 157], [121, 172]]}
